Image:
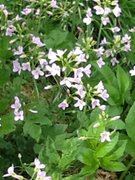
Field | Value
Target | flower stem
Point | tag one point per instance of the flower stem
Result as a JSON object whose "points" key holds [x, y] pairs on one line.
{"points": [[99, 34]]}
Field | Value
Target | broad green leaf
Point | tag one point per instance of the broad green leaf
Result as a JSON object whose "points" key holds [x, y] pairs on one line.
{"points": [[130, 122], [7, 124], [106, 147], [4, 75], [118, 153], [112, 165], [118, 124], [123, 81], [130, 148], [33, 130], [88, 170], [87, 156]]}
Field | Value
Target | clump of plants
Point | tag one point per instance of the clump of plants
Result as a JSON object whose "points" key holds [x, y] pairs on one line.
{"points": [[67, 102]]}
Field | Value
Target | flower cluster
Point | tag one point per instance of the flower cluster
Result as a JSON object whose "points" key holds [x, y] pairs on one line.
{"points": [[19, 115], [39, 173]]}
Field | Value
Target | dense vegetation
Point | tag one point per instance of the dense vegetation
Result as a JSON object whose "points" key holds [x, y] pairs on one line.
{"points": [[67, 92]]}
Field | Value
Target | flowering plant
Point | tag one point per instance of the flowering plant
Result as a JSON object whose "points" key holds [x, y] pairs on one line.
{"points": [[67, 89]]}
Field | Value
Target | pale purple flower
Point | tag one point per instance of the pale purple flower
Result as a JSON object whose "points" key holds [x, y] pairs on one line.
{"points": [[16, 66], [37, 73], [99, 51], [117, 11], [105, 136], [100, 62], [17, 105], [54, 4], [19, 115], [99, 10], [43, 63], [114, 61], [37, 12], [115, 29], [80, 90], [99, 87], [127, 47], [102, 107], [104, 95], [19, 51], [107, 11], [80, 104], [41, 175], [77, 51], [80, 58], [38, 164], [63, 105], [132, 72], [52, 56], [105, 20], [87, 20], [67, 81], [26, 66], [37, 41], [10, 30], [26, 11], [95, 103], [60, 53], [87, 70], [78, 73], [104, 41], [126, 38], [53, 70]]}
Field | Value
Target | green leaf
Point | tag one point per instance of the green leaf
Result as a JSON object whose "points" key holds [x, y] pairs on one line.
{"points": [[123, 81], [130, 148], [7, 124], [33, 130], [130, 122], [87, 156], [4, 45], [106, 147], [118, 153], [118, 124], [112, 165], [4, 75]]}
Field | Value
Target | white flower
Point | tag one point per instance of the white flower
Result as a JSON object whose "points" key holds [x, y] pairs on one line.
{"points": [[37, 72], [80, 103], [132, 72], [38, 164], [99, 10], [10, 171], [117, 11], [19, 116], [54, 70], [37, 41], [26, 11], [95, 103], [105, 20], [105, 136], [100, 62]]}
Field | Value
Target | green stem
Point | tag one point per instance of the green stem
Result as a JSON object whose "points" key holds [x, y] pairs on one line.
{"points": [[36, 88], [99, 34], [128, 167]]}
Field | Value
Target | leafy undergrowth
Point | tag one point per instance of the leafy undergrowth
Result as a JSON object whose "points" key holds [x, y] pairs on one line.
{"points": [[67, 93]]}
